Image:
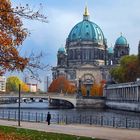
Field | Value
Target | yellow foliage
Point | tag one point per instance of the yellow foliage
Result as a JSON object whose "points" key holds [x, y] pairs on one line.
{"points": [[25, 88]]}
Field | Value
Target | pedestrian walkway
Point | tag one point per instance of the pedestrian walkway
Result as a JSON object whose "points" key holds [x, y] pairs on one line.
{"points": [[80, 130]]}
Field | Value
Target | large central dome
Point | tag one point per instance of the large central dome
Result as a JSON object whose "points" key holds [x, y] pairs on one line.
{"points": [[86, 31], [85, 44]]}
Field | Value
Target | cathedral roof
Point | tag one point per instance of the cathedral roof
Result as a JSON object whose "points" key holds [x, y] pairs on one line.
{"points": [[121, 41], [61, 50], [110, 50], [86, 30]]}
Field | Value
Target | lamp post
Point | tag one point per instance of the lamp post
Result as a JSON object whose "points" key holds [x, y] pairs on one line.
{"points": [[19, 105], [79, 87]]}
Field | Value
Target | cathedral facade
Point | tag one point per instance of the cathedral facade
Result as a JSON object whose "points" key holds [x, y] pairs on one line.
{"points": [[86, 55]]}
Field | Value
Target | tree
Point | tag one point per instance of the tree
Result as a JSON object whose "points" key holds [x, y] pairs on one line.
{"points": [[12, 35], [61, 84], [128, 70], [13, 82], [95, 90], [83, 90], [101, 87], [71, 89]]}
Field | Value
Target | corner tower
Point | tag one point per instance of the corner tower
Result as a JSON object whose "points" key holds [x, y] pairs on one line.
{"points": [[121, 48]]}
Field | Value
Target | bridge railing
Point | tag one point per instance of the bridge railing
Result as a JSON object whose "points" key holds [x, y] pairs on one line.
{"points": [[98, 120], [5, 95]]}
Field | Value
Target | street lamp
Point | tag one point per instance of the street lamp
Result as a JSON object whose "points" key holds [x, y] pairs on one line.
{"points": [[79, 87], [19, 105]]}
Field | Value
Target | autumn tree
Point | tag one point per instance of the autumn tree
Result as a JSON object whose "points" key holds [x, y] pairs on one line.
{"points": [[13, 82], [61, 84], [71, 89], [97, 88], [128, 70], [83, 90], [101, 87], [94, 90], [13, 34]]}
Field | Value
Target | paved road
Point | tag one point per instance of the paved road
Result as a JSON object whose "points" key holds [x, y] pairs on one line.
{"points": [[80, 130]]}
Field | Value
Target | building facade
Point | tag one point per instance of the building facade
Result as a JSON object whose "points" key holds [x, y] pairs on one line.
{"points": [[2, 84], [86, 55]]}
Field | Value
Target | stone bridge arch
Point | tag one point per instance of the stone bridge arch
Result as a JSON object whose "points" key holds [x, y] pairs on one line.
{"points": [[62, 102]]}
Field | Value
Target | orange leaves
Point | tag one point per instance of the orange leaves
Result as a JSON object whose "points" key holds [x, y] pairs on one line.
{"points": [[25, 88], [12, 34], [97, 89], [61, 84], [83, 90], [71, 89]]}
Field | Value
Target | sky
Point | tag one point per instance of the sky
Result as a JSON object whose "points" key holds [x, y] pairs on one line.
{"points": [[112, 16]]}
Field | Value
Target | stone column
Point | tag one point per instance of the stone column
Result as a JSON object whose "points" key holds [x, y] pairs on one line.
{"points": [[137, 93], [127, 93]]}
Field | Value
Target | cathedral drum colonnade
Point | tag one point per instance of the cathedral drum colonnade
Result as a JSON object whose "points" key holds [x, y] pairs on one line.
{"points": [[86, 55]]}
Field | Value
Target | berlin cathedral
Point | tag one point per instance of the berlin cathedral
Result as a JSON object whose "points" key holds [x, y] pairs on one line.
{"points": [[86, 55]]}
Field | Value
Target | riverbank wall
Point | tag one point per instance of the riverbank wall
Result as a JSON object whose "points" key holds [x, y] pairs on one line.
{"points": [[128, 106], [90, 102]]}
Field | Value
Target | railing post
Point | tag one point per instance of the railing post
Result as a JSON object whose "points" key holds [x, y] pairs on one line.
{"points": [[41, 117], [58, 118], [90, 120], [101, 120], [15, 115], [28, 116], [22, 116], [66, 120], [8, 115], [126, 121], [80, 119], [3, 114], [36, 116], [113, 121]]}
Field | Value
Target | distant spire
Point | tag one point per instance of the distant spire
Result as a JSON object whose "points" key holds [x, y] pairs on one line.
{"points": [[86, 13], [121, 33]]}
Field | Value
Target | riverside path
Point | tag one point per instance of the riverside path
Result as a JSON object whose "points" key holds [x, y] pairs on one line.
{"points": [[80, 130]]}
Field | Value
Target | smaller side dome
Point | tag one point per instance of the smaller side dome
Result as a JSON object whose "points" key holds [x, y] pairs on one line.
{"points": [[121, 41], [110, 50], [62, 50]]}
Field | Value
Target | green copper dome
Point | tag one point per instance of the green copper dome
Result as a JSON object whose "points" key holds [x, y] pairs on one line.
{"points": [[110, 50], [62, 50], [121, 41], [86, 30]]}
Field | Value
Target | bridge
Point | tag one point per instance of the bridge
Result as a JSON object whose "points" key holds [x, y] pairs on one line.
{"points": [[59, 100], [52, 97]]}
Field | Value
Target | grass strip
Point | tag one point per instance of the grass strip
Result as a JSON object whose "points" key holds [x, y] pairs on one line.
{"points": [[27, 134]]}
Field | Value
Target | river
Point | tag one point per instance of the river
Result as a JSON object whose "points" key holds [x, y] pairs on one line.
{"points": [[42, 107]]}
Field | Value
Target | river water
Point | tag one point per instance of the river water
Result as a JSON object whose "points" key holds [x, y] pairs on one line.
{"points": [[42, 107]]}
